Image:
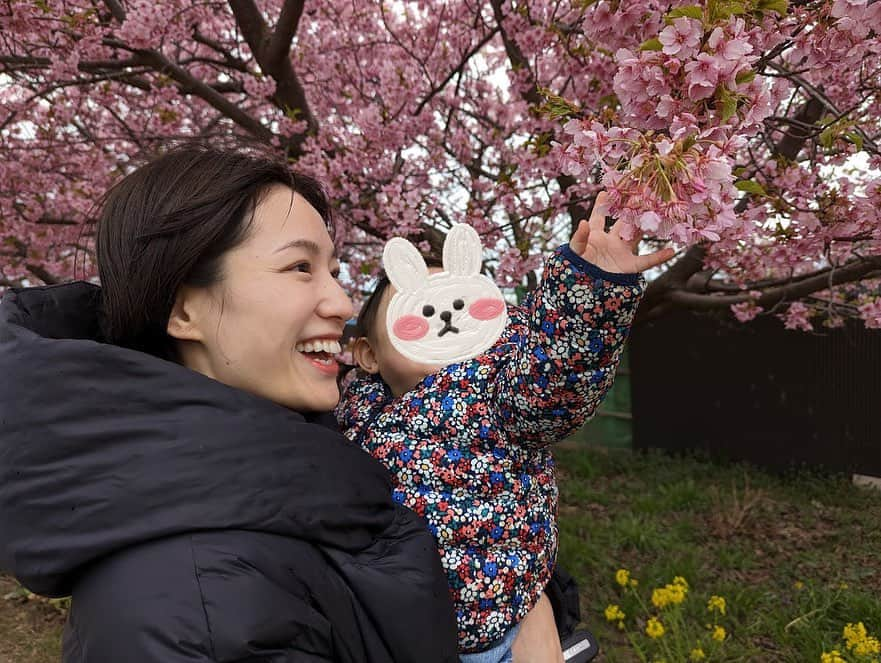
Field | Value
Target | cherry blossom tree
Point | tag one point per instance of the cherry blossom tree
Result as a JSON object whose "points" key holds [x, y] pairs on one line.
{"points": [[744, 131]]}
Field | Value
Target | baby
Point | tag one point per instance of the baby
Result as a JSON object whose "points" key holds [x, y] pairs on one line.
{"points": [[468, 443]]}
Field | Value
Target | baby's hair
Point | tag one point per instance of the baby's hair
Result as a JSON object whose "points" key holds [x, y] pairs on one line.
{"points": [[367, 317]]}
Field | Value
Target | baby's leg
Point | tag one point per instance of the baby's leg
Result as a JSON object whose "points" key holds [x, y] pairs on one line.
{"points": [[538, 640]]}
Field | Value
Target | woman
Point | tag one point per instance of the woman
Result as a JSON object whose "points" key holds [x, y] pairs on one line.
{"points": [[163, 453]]}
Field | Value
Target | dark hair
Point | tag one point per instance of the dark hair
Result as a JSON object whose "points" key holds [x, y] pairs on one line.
{"points": [[367, 316], [169, 223]]}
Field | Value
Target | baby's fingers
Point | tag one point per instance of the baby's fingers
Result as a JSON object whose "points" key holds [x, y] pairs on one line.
{"points": [[600, 212], [654, 259], [578, 243]]}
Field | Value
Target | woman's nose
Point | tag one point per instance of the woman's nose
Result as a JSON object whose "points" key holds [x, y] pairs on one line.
{"points": [[446, 316], [336, 303]]}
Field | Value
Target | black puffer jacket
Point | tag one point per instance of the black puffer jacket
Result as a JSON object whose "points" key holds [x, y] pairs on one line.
{"points": [[192, 521]]}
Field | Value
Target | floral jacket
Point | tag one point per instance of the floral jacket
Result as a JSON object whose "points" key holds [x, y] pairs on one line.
{"points": [[468, 446]]}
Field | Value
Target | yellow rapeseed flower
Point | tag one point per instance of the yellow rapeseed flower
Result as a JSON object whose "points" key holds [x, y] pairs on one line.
{"points": [[867, 647], [634, 582], [677, 593], [718, 633], [660, 597], [833, 656], [854, 634], [622, 577], [682, 582], [798, 584], [697, 654], [654, 628], [673, 594], [716, 604], [614, 613]]}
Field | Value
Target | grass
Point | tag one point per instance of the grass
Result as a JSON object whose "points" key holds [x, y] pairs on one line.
{"points": [[794, 556], [30, 630]]}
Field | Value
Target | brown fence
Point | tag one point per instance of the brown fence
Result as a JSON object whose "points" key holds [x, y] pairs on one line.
{"points": [[758, 392]]}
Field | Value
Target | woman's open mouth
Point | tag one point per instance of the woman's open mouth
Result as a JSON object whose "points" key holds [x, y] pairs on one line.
{"points": [[321, 353]]}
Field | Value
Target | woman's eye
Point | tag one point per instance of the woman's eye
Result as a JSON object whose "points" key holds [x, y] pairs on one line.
{"points": [[458, 304], [428, 310], [302, 267]]}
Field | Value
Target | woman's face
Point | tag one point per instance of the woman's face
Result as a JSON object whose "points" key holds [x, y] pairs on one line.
{"points": [[272, 325]]}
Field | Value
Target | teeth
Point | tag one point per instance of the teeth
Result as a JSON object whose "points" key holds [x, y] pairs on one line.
{"points": [[330, 347]]}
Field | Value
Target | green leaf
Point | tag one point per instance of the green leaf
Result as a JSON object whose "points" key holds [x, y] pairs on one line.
{"points": [[555, 107], [827, 136], [854, 138], [726, 10], [779, 6], [728, 103], [653, 44], [750, 186], [690, 11], [745, 77]]}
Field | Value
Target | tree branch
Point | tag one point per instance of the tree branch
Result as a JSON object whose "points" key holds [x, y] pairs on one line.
{"points": [[43, 274], [473, 51], [532, 96], [515, 56], [288, 21], [116, 9], [289, 93], [208, 94], [822, 280], [818, 96]]}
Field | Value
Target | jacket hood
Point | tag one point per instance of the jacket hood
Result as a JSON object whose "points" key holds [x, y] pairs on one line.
{"points": [[103, 447]]}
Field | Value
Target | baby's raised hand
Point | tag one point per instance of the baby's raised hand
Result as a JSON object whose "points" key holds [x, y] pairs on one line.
{"points": [[607, 250]]}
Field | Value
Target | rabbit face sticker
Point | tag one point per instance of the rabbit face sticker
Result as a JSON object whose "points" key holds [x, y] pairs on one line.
{"points": [[446, 317]]}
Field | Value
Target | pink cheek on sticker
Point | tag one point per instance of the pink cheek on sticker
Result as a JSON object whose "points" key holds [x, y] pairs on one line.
{"points": [[410, 327], [486, 309]]}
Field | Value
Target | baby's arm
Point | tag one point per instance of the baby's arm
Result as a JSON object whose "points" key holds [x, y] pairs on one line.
{"points": [[565, 341]]}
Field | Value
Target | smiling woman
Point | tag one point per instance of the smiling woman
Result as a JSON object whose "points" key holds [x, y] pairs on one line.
{"points": [[272, 325], [178, 474]]}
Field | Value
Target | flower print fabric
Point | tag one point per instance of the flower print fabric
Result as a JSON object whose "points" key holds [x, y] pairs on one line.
{"points": [[468, 446]]}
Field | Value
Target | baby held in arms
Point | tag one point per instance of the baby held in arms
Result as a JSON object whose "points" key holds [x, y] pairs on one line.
{"points": [[460, 395]]}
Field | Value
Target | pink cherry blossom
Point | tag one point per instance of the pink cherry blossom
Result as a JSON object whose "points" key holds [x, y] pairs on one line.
{"points": [[745, 311], [418, 115], [797, 316], [682, 38]]}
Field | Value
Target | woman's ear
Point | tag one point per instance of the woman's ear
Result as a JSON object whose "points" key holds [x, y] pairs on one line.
{"points": [[184, 321], [364, 356]]}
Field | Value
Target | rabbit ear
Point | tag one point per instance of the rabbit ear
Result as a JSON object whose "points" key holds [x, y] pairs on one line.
{"points": [[404, 265], [463, 251]]}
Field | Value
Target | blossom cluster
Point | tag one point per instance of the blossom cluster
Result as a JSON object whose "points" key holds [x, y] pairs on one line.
{"points": [[689, 100]]}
